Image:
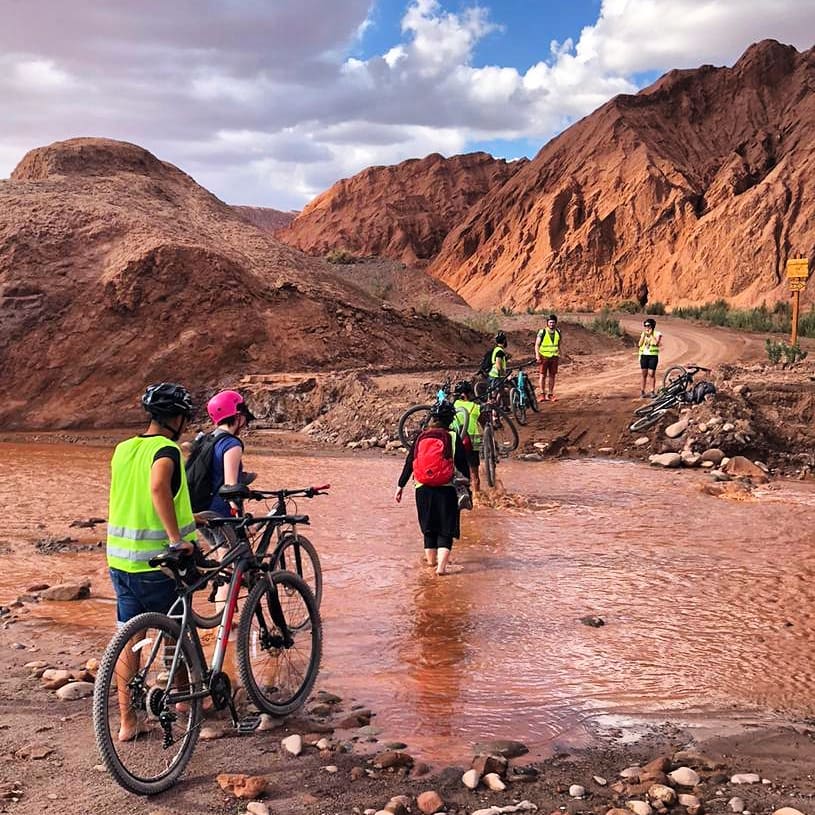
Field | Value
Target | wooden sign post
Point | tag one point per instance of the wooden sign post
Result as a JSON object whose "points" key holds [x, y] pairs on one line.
{"points": [[797, 275]]}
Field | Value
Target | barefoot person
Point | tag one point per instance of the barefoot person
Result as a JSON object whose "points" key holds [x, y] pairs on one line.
{"points": [[432, 460], [547, 353], [149, 512], [649, 344]]}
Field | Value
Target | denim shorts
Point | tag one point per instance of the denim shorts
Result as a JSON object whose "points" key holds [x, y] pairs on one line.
{"points": [[141, 591]]}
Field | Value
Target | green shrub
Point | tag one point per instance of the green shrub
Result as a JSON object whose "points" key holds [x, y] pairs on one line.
{"points": [[657, 308], [773, 348], [760, 319], [604, 323], [484, 321], [629, 307], [792, 353], [507, 311], [779, 348], [342, 256]]}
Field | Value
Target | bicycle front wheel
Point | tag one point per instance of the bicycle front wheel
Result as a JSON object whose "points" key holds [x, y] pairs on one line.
{"points": [[518, 404], [412, 422], [278, 665], [297, 554], [531, 396], [489, 455], [646, 421], [506, 434], [132, 718]]}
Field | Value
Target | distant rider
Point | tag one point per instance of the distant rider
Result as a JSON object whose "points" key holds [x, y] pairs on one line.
{"points": [[547, 354], [499, 357], [649, 345]]}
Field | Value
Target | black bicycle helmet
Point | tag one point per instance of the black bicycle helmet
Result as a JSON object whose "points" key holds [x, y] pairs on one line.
{"points": [[443, 412], [649, 323], [165, 400], [464, 387], [500, 338]]}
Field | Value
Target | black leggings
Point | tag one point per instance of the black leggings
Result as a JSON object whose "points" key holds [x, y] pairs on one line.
{"points": [[433, 541]]}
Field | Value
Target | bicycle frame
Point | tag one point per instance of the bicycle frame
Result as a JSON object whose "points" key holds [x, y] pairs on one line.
{"points": [[244, 560]]}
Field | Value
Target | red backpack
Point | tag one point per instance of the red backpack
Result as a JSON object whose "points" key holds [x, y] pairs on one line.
{"points": [[433, 457]]}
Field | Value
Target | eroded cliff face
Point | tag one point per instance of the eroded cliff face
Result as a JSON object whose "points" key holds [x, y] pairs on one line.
{"points": [[402, 212], [117, 270], [696, 188]]}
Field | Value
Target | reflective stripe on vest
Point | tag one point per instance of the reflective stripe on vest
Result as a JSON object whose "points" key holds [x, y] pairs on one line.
{"points": [[473, 427], [549, 344], [497, 368], [648, 344], [135, 532]]}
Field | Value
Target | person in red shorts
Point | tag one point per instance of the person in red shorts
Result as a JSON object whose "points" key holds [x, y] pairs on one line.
{"points": [[547, 353]]}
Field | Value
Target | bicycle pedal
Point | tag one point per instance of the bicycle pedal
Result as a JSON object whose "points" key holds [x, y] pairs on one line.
{"points": [[248, 725]]}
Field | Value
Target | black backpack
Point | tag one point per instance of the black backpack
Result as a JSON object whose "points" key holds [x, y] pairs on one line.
{"points": [[701, 390], [199, 469], [486, 363]]}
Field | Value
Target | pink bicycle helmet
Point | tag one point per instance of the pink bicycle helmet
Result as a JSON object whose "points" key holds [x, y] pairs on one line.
{"points": [[227, 404]]}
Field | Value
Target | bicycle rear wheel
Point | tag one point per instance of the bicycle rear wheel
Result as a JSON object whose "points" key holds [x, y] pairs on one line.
{"points": [[489, 455], [297, 554], [412, 422], [506, 434], [133, 682], [518, 404], [646, 421], [277, 664]]}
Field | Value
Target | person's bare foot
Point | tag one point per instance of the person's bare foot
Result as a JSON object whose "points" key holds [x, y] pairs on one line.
{"points": [[130, 730]]}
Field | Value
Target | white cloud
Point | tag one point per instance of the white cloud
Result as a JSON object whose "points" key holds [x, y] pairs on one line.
{"points": [[263, 102]]}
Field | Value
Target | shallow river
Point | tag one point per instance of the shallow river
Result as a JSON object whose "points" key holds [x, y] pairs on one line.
{"points": [[708, 603]]}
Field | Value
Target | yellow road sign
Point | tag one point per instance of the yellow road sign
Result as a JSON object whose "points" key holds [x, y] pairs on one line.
{"points": [[798, 268], [797, 285]]}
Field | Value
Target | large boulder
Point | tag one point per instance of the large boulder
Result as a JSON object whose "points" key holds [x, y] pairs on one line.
{"points": [[741, 467], [666, 460]]}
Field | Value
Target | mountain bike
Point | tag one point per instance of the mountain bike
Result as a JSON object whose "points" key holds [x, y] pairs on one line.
{"points": [[290, 550], [416, 418], [522, 395], [504, 430], [154, 676], [676, 391], [500, 436]]}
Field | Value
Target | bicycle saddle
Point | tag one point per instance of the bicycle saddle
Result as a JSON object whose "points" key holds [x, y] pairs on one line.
{"points": [[231, 492]]}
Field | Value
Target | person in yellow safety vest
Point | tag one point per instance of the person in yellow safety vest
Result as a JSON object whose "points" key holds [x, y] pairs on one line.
{"points": [[465, 406], [547, 353], [648, 346], [499, 357], [149, 513]]}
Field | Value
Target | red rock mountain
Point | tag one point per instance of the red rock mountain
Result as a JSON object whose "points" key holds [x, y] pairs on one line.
{"points": [[696, 188], [266, 218], [402, 212], [117, 269]]}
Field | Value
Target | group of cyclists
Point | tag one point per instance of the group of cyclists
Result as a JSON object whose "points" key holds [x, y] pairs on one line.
{"points": [[444, 459]]}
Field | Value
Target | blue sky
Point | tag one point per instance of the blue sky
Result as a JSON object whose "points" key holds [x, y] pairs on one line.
{"points": [[269, 103]]}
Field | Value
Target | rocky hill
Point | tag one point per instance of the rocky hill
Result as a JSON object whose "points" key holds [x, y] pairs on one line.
{"points": [[402, 212], [117, 269], [266, 218], [693, 189]]}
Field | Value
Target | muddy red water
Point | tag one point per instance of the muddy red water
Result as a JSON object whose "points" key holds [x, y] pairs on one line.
{"points": [[708, 603]]}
